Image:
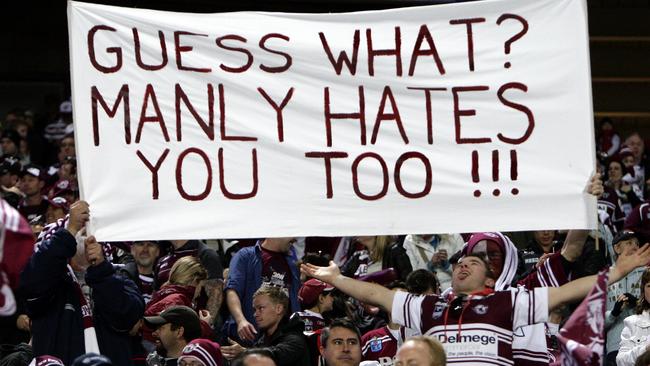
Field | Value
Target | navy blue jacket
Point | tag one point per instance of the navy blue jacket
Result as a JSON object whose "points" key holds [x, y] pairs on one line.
{"points": [[54, 307]]}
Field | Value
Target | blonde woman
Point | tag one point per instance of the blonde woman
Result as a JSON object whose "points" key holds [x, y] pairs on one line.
{"points": [[183, 287]]}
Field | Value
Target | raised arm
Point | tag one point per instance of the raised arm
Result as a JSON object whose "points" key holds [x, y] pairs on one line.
{"points": [[578, 289], [575, 239], [366, 292]]}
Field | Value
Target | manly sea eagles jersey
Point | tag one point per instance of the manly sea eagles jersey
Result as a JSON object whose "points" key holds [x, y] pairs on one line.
{"points": [[480, 332], [381, 344], [313, 321]]}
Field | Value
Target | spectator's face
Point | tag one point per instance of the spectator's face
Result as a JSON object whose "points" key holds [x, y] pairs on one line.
{"points": [[615, 171], [367, 241], [168, 337], [413, 354], [628, 161], [190, 362], [145, 253], [22, 129], [327, 301], [67, 147], [494, 254], [342, 349], [8, 146], [5, 180], [267, 313], [606, 126], [626, 247], [30, 185], [646, 292], [635, 144], [470, 275], [544, 237], [53, 213]]}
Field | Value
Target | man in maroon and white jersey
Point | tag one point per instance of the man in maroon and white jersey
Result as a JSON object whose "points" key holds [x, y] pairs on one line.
{"points": [[477, 325], [381, 344]]}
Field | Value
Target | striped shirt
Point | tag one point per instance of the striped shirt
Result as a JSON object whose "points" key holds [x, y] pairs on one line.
{"points": [[480, 334]]}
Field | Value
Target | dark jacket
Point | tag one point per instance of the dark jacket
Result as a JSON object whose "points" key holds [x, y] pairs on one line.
{"points": [[288, 344], [130, 269], [53, 304]]}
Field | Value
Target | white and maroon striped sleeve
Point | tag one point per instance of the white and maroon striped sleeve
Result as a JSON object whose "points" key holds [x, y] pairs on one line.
{"points": [[407, 310], [529, 306]]}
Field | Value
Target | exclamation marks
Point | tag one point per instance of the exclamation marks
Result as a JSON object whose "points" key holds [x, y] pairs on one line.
{"points": [[495, 171], [513, 170], [475, 177]]}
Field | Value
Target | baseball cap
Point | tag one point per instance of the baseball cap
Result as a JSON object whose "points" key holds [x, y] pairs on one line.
{"points": [[33, 170], [177, 315], [65, 107], [47, 360], [204, 351], [10, 164], [92, 359], [623, 236], [311, 289], [62, 187], [60, 202]]}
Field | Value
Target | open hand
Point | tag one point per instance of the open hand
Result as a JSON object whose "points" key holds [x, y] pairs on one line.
{"points": [[326, 274], [231, 352], [630, 260]]}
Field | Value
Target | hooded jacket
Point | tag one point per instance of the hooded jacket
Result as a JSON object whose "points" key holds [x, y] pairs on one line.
{"points": [[529, 343]]}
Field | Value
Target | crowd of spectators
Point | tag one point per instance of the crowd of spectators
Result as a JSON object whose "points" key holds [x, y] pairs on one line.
{"points": [[414, 299]]}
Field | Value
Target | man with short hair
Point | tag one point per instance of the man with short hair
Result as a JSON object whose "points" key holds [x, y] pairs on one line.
{"points": [[254, 357], [282, 337], [140, 270], [484, 320], [31, 184], [267, 263], [341, 343], [421, 351], [175, 328]]}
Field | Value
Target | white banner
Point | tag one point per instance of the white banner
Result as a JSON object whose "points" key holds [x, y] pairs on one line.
{"points": [[450, 118]]}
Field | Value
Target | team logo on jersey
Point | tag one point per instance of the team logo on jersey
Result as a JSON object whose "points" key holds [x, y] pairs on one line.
{"points": [[375, 345], [480, 309], [437, 310]]}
